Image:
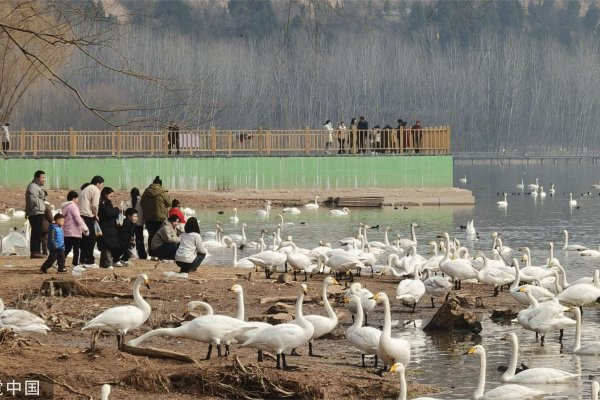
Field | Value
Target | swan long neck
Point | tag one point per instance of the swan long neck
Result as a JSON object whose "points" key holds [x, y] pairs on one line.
{"points": [[577, 331], [563, 274], [240, 303], [447, 256], [481, 381], [359, 316], [512, 366], [328, 308], [1, 302], [243, 232], [566, 239], [387, 321], [517, 280], [139, 300], [402, 395], [532, 300], [413, 236], [158, 332], [299, 316], [386, 240]]}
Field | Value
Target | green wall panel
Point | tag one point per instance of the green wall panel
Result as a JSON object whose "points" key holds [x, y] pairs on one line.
{"points": [[213, 173]]}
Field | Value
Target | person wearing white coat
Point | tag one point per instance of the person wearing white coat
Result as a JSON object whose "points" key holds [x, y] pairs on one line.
{"points": [[328, 136]]}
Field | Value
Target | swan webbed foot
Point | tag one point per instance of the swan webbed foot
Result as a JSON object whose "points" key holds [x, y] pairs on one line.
{"points": [[286, 367], [295, 353]]}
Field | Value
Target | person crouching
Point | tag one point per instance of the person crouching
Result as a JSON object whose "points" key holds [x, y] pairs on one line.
{"points": [[166, 240], [126, 238], [191, 251]]}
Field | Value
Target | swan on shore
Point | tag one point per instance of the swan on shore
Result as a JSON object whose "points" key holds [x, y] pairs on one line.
{"points": [[391, 350], [364, 338], [122, 319], [21, 320]]}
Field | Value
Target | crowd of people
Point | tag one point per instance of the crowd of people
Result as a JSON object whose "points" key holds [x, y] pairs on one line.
{"points": [[89, 219], [377, 139]]}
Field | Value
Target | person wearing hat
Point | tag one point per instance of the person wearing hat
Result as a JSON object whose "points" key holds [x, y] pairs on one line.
{"points": [[401, 136], [5, 138], [155, 203], [166, 240]]}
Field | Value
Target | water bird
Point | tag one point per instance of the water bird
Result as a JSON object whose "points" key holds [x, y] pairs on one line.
{"points": [[399, 369], [502, 203], [21, 320], [312, 206], [572, 202], [534, 186], [590, 348], [391, 350], [234, 218], [340, 213], [221, 212], [122, 319], [521, 185], [573, 246], [463, 180]]}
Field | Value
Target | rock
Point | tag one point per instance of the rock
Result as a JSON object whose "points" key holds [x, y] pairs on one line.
{"points": [[279, 307], [284, 278], [457, 314], [280, 318]]}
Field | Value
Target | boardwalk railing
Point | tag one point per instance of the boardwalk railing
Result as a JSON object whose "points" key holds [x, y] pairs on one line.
{"points": [[213, 142]]}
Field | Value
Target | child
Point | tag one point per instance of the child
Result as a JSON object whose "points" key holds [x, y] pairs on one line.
{"points": [[56, 245], [48, 219], [126, 238], [74, 227]]}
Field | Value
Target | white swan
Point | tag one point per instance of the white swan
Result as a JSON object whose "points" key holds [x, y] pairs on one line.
{"points": [[237, 238], [542, 193], [504, 392], [436, 286], [234, 218], [105, 392], [364, 338], [268, 260], [211, 329], [401, 371], [282, 223], [572, 246], [521, 185], [463, 180], [590, 253], [188, 212], [579, 294], [21, 320], [241, 315], [312, 206], [122, 319], [299, 261], [572, 203], [458, 269], [543, 317], [244, 262], [595, 390], [15, 214], [340, 213], [322, 325], [552, 190], [283, 337], [413, 237], [391, 350], [366, 300], [502, 203], [291, 210], [495, 276], [264, 212], [410, 291], [539, 293], [471, 228], [596, 185], [534, 186], [588, 349], [531, 375]]}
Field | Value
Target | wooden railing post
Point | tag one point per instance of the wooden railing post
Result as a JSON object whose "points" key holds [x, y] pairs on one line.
{"points": [[229, 142], [260, 140], [72, 150], [448, 139], [35, 137], [165, 141], [119, 141], [213, 140], [113, 143], [306, 141], [22, 141], [268, 142]]}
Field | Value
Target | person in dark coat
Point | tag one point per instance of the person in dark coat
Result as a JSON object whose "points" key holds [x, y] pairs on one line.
{"points": [[127, 242], [363, 128], [401, 135], [417, 136], [107, 218]]}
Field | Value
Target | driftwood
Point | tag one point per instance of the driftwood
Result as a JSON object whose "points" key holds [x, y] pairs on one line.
{"points": [[457, 313], [153, 352], [74, 288]]}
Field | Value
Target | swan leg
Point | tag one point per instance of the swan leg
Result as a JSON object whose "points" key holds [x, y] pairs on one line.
{"points": [[305, 276], [372, 271], [413, 307], [366, 320], [543, 337], [352, 318], [260, 356], [495, 291], [581, 310], [432, 304], [375, 360], [226, 350], [560, 336], [285, 366], [210, 346], [278, 361], [219, 351], [363, 360], [295, 276], [310, 350]]}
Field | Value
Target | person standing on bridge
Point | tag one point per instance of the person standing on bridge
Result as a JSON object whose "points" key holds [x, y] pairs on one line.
{"points": [[5, 139], [417, 136], [328, 136], [363, 128], [173, 138], [342, 134]]}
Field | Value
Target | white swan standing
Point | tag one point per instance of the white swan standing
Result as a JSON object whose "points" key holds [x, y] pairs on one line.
{"points": [[531, 375], [534, 186], [241, 315], [122, 319], [579, 294], [552, 190], [312, 206], [366, 300], [502, 203], [234, 218], [21, 320], [105, 392], [542, 193], [595, 390], [268, 260], [391, 350], [322, 325], [572, 246], [457, 269], [283, 337], [572, 203], [539, 293], [340, 213], [504, 392], [364, 338], [401, 371], [410, 291], [521, 185], [588, 349], [437, 286], [463, 180]]}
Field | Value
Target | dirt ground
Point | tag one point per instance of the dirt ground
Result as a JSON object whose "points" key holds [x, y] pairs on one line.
{"points": [[61, 356]]}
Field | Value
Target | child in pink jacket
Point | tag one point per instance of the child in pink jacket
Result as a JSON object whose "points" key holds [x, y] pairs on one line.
{"points": [[74, 227]]}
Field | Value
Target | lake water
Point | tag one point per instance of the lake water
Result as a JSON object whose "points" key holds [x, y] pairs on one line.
{"points": [[527, 221]]}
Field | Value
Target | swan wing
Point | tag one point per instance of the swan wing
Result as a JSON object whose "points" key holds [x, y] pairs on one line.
{"points": [[19, 318], [511, 392], [543, 375], [365, 339], [116, 319]]}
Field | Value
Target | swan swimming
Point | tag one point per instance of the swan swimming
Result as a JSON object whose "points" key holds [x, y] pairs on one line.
{"points": [[312, 206], [401, 371], [588, 349], [341, 213], [502, 203], [463, 180], [572, 203]]}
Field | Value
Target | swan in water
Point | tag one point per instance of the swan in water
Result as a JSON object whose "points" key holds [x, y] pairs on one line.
{"points": [[282, 223], [322, 325], [521, 185], [596, 185], [572, 246], [244, 262], [552, 190], [283, 337], [312, 206], [495, 276], [534, 186], [340, 213], [542, 193], [504, 392], [291, 210], [539, 293], [588, 349], [471, 228], [543, 317], [463, 180], [590, 253], [502, 203], [122, 319], [391, 350], [364, 338], [531, 375], [401, 371], [264, 212], [21, 320], [234, 218], [572, 203], [579, 294], [212, 329]]}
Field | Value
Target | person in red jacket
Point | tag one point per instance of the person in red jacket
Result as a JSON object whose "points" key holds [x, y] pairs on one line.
{"points": [[176, 210]]}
